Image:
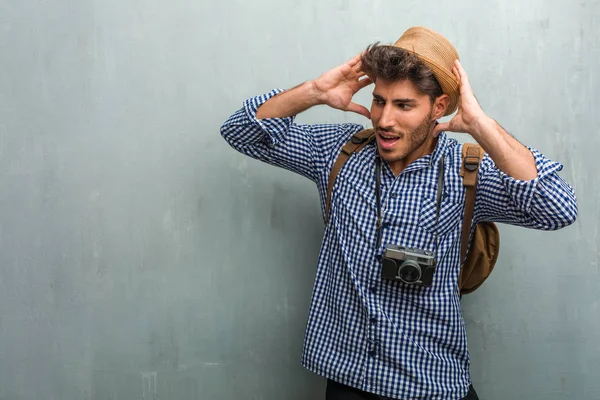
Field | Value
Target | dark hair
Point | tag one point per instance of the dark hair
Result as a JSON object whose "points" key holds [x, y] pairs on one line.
{"points": [[393, 64]]}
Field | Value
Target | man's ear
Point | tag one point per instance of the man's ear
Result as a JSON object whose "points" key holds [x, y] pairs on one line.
{"points": [[440, 105]]}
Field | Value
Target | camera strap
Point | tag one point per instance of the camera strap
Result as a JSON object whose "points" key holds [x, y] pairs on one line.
{"points": [[440, 187], [378, 223]]}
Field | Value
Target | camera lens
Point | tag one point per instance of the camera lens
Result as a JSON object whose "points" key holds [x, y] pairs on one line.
{"points": [[409, 272]]}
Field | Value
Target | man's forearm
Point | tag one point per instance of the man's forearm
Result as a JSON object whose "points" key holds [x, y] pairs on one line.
{"points": [[510, 156], [291, 102]]}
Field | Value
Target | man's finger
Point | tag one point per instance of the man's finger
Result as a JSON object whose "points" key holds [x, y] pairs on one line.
{"points": [[441, 127], [464, 78], [456, 74], [355, 60], [363, 83], [357, 108], [358, 67]]}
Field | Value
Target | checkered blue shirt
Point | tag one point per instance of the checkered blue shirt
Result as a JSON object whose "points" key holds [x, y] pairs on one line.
{"points": [[380, 336]]}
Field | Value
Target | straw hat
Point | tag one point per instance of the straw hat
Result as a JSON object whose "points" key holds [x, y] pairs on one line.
{"points": [[436, 52]]}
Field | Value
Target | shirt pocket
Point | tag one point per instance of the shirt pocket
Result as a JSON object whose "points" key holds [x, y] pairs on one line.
{"points": [[451, 208]]}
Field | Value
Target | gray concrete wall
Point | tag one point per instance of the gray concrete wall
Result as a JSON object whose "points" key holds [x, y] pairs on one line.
{"points": [[141, 258]]}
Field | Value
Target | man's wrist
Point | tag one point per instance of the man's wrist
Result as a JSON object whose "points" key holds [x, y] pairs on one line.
{"points": [[315, 94], [484, 127], [289, 102]]}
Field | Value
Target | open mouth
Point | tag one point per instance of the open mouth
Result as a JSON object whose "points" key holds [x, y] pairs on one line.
{"points": [[387, 140]]}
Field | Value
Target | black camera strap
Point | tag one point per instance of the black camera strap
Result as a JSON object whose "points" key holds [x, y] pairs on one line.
{"points": [[378, 199], [440, 187]]}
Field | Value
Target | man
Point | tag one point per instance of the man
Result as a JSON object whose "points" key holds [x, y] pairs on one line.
{"points": [[377, 338]]}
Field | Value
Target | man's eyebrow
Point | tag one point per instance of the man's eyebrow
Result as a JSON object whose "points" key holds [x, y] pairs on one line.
{"points": [[401, 101]]}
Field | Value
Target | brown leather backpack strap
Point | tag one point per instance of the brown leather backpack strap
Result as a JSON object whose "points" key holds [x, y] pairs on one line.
{"points": [[356, 143], [472, 155]]}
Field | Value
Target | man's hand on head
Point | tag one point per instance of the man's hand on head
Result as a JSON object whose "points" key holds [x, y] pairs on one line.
{"points": [[470, 117], [337, 86]]}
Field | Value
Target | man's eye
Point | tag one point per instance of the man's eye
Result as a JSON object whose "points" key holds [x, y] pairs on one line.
{"points": [[405, 107], [377, 101]]}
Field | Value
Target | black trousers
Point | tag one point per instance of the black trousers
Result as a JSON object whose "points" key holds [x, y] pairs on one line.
{"points": [[337, 391]]}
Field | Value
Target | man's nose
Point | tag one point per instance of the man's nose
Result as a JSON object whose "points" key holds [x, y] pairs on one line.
{"points": [[387, 119]]}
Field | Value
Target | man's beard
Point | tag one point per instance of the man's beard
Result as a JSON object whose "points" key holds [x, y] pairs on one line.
{"points": [[416, 138]]}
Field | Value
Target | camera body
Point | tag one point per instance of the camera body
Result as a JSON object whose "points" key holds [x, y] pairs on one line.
{"points": [[409, 265]]}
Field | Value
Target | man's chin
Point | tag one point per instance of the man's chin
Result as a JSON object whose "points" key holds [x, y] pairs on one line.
{"points": [[390, 155]]}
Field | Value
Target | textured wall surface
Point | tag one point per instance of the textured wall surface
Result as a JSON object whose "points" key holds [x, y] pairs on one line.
{"points": [[142, 258]]}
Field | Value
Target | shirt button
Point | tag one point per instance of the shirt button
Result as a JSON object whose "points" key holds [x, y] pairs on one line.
{"points": [[373, 289], [378, 257], [393, 195], [372, 353], [373, 321]]}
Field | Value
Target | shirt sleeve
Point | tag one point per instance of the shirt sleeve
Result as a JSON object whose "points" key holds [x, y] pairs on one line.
{"points": [[546, 202], [304, 149]]}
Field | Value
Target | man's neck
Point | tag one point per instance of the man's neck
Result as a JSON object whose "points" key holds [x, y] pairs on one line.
{"points": [[426, 148]]}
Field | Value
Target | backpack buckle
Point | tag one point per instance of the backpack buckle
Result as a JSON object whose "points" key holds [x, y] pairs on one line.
{"points": [[358, 140], [471, 163]]}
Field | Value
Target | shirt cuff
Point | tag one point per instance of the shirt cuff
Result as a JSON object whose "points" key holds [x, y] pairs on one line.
{"points": [[523, 191], [274, 128]]}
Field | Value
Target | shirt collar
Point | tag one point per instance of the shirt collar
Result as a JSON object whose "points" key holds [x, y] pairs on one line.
{"points": [[440, 149], [427, 160], [431, 159]]}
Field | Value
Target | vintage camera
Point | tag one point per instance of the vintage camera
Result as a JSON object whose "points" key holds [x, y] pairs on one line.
{"points": [[409, 265]]}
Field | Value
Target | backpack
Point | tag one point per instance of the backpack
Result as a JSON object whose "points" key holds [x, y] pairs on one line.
{"points": [[476, 264]]}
